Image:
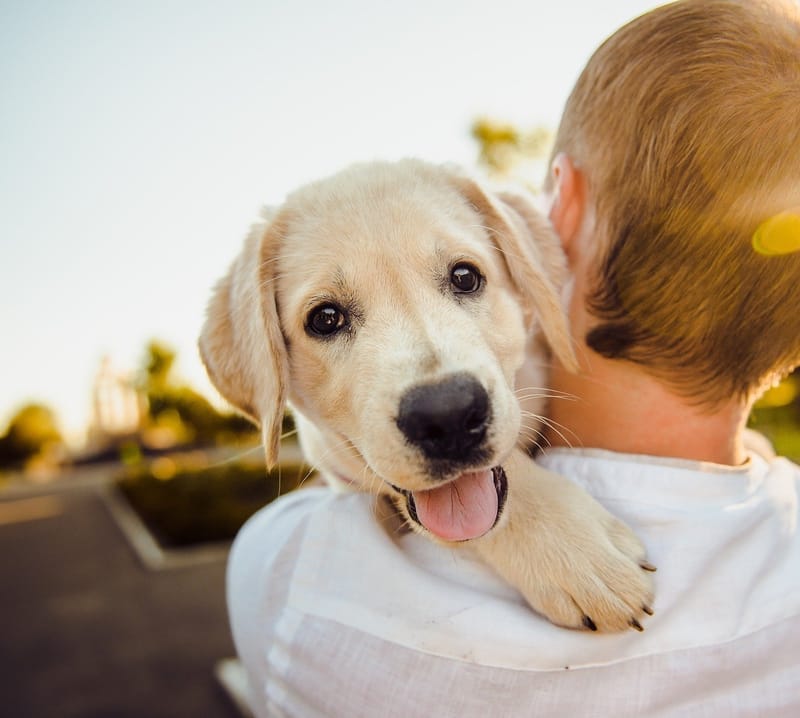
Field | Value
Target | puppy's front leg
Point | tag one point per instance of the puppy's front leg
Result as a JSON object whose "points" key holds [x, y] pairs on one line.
{"points": [[572, 561]]}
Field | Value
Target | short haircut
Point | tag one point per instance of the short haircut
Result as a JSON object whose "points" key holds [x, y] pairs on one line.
{"points": [[686, 125]]}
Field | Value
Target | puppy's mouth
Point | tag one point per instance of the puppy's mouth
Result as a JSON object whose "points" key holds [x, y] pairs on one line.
{"points": [[465, 508]]}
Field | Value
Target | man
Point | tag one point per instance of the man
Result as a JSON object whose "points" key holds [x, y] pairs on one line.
{"points": [[675, 188]]}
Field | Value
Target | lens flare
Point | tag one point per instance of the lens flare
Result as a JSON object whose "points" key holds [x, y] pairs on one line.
{"points": [[780, 234]]}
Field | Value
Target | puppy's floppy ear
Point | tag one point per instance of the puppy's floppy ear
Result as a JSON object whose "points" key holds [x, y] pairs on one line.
{"points": [[241, 342], [534, 259]]}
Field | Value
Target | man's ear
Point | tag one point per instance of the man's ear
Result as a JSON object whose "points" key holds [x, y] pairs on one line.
{"points": [[533, 258], [568, 202], [241, 343]]}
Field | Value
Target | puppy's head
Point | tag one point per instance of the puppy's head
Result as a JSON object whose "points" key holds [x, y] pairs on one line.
{"points": [[392, 304]]}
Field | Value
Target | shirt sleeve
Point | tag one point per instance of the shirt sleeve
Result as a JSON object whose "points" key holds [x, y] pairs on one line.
{"points": [[259, 574]]}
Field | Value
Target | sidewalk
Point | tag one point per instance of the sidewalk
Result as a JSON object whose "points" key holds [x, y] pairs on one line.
{"points": [[88, 632]]}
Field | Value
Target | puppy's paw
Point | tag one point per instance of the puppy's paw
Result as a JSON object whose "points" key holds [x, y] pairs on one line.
{"points": [[572, 561], [593, 575]]}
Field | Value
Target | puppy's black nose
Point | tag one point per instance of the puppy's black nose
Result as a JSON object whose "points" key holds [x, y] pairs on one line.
{"points": [[447, 420]]}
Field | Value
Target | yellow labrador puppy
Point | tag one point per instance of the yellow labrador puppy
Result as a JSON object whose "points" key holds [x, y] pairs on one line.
{"points": [[396, 307]]}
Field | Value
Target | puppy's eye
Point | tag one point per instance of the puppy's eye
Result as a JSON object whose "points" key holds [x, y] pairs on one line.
{"points": [[465, 278], [325, 320]]}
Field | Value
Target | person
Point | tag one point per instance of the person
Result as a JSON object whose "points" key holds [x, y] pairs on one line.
{"points": [[675, 189]]}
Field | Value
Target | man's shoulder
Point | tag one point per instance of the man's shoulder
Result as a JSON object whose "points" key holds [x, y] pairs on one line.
{"points": [[593, 466], [285, 520]]}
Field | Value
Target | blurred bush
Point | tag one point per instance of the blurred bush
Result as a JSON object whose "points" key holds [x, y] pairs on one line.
{"points": [[177, 414], [777, 416], [185, 506], [167, 478]]}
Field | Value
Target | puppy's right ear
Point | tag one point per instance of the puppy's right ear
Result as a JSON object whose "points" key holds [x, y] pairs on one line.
{"points": [[533, 258], [241, 343]]}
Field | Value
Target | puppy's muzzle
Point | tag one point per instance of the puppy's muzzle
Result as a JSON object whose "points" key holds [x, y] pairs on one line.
{"points": [[448, 420]]}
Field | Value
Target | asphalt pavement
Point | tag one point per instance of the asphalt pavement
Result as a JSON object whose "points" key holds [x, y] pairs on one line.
{"points": [[88, 631]]}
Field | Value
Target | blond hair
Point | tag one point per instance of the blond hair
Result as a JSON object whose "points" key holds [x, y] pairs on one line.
{"points": [[686, 125]]}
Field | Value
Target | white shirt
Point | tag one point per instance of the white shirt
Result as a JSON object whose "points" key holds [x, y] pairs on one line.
{"points": [[337, 613]]}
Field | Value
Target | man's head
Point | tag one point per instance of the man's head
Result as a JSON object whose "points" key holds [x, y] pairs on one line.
{"points": [[679, 140]]}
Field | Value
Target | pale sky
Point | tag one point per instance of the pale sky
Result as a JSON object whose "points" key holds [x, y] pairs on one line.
{"points": [[138, 139]]}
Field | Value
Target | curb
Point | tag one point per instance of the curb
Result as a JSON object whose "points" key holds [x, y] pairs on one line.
{"points": [[147, 549]]}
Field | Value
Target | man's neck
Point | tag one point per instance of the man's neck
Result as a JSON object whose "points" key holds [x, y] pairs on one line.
{"points": [[618, 407]]}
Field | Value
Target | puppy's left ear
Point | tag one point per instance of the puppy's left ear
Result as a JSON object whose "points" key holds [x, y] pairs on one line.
{"points": [[241, 342], [534, 259]]}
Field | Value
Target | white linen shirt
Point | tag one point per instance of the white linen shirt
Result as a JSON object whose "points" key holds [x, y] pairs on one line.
{"points": [[337, 613]]}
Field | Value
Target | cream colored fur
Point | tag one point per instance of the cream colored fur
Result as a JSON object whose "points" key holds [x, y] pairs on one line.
{"points": [[380, 238]]}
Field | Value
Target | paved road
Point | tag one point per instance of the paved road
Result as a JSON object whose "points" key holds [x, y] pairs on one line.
{"points": [[87, 632]]}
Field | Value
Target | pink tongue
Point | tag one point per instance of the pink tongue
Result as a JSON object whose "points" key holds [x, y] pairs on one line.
{"points": [[462, 509]]}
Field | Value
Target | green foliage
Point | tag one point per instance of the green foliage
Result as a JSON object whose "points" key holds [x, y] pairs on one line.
{"points": [[195, 506], [158, 363], [182, 501], [31, 431], [186, 415], [200, 419], [504, 150], [777, 416]]}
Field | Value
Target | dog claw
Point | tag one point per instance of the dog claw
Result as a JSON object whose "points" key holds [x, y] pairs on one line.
{"points": [[589, 623], [647, 610], [647, 566], [635, 624]]}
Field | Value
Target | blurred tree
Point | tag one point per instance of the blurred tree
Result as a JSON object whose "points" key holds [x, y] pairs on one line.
{"points": [[507, 152], [176, 413], [158, 363], [31, 431]]}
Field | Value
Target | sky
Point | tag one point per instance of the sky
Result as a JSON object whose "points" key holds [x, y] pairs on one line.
{"points": [[139, 139]]}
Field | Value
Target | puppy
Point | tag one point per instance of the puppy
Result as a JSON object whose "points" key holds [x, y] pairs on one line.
{"points": [[396, 306]]}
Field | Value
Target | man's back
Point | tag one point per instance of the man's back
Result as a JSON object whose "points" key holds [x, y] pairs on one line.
{"points": [[381, 617]]}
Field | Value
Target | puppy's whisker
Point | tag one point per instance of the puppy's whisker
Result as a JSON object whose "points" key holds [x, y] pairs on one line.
{"points": [[329, 451], [534, 421], [531, 439], [288, 434], [510, 255], [485, 227], [341, 447], [541, 443], [542, 393], [237, 456], [271, 280], [373, 482], [555, 427], [533, 433], [532, 417], [309, 473]]}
